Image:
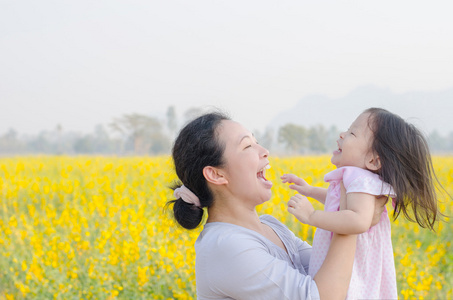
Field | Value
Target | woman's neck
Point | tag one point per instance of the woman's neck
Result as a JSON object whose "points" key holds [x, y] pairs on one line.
{"points": [[234, 214], [244, 217]]}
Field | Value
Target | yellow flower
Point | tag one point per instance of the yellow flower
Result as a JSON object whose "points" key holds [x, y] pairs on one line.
{"points": [[102, 219], [142, 275]]}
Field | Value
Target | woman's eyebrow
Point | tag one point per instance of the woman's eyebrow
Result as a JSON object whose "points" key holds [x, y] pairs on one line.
{"points": [[246, 136], [243, 138]]}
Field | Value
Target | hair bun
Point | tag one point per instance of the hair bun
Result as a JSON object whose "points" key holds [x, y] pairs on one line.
{"points": [[187, 215]]}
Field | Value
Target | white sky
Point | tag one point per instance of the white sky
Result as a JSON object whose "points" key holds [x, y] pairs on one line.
{"points": [[81, 63]]}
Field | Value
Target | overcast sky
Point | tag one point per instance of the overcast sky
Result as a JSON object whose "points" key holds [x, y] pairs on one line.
{"points": [[81, 63]]}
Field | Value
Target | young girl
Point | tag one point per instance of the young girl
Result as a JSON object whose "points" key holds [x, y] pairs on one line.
{"points": [[379, 156]]}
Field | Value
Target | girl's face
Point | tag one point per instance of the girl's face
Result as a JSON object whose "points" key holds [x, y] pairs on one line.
{"points": [[246, 163], [354, 145]]}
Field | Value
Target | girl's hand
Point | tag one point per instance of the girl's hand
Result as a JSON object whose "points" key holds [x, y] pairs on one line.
{"points": [[301, 208], [299, 185]]}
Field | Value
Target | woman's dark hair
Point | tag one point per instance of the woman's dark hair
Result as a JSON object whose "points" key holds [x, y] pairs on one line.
{"points": [[196, 147], [406, 165]]}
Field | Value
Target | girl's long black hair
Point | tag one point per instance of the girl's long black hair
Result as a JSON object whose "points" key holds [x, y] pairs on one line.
{"points": [[406, 165]]}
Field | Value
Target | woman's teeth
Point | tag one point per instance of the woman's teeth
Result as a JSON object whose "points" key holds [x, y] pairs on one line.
{"points": [[261, 176], [262, 172], [265, 168]]}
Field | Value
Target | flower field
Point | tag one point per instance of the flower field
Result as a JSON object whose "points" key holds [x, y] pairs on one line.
{"points": [[96, 228]]}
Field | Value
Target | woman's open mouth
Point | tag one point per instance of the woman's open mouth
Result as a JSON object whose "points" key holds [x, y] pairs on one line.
{"points": [[261, 175]]}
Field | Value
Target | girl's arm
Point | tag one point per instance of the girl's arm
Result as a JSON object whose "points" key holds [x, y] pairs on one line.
{"points": [[304, 188], [355, 219]]}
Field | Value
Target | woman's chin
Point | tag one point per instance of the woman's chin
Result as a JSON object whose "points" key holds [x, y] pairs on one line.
{"points": [[266, 183], [265, 198]]}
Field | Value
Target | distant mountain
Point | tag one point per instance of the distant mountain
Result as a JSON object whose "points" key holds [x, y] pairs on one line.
{"points": [[427, 110]]}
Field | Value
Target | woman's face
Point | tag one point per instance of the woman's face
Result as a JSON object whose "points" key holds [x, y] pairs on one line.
{"points": [[245, 164]]}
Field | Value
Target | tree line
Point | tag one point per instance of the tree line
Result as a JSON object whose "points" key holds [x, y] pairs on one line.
{"points": [[139, 134]]}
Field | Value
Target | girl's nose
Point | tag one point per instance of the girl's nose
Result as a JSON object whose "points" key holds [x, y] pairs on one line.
{"points": [[342, 134]]}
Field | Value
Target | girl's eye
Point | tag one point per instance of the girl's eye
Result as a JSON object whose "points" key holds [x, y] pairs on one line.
{"points": [[248, 147]]}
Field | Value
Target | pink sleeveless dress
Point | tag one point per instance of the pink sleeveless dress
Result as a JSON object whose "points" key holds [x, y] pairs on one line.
{"points": [[373, 273]]}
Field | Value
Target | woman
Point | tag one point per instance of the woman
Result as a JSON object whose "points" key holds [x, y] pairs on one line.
{"points": [[239, 254]]}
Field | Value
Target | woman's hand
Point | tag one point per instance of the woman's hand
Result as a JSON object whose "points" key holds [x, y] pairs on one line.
{"points": [[343, 202], [301, 208], [379, 206]]}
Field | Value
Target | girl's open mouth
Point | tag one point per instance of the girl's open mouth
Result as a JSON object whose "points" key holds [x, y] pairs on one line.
{"points": [[338, 151]]}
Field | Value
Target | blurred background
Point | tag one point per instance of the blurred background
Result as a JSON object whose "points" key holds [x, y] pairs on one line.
{"points": [[118, 79], [122, 77]]}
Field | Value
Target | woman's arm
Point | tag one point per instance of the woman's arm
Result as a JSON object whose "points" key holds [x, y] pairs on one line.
{"points": [[334, 275], [304, 251]]}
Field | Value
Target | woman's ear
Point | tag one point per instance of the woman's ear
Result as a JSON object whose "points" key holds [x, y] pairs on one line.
{"points": [[373, 162], [214, 175]]}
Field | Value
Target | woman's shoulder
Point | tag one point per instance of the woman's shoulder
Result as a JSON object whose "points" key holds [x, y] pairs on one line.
{"points": [[231, 258], [223, 236], [269, 219], [272, 221], [220, 237], [282, 230]]}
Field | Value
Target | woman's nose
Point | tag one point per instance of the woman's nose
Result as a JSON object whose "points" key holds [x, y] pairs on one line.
{"points": [[264, 151]]}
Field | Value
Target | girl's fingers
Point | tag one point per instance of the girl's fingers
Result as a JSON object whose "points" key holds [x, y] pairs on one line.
{"points": [[297, 188], [294, 200], [284, 178]]}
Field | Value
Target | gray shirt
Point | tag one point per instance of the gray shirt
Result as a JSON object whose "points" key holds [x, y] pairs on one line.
{"points": [[233, 262]]}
